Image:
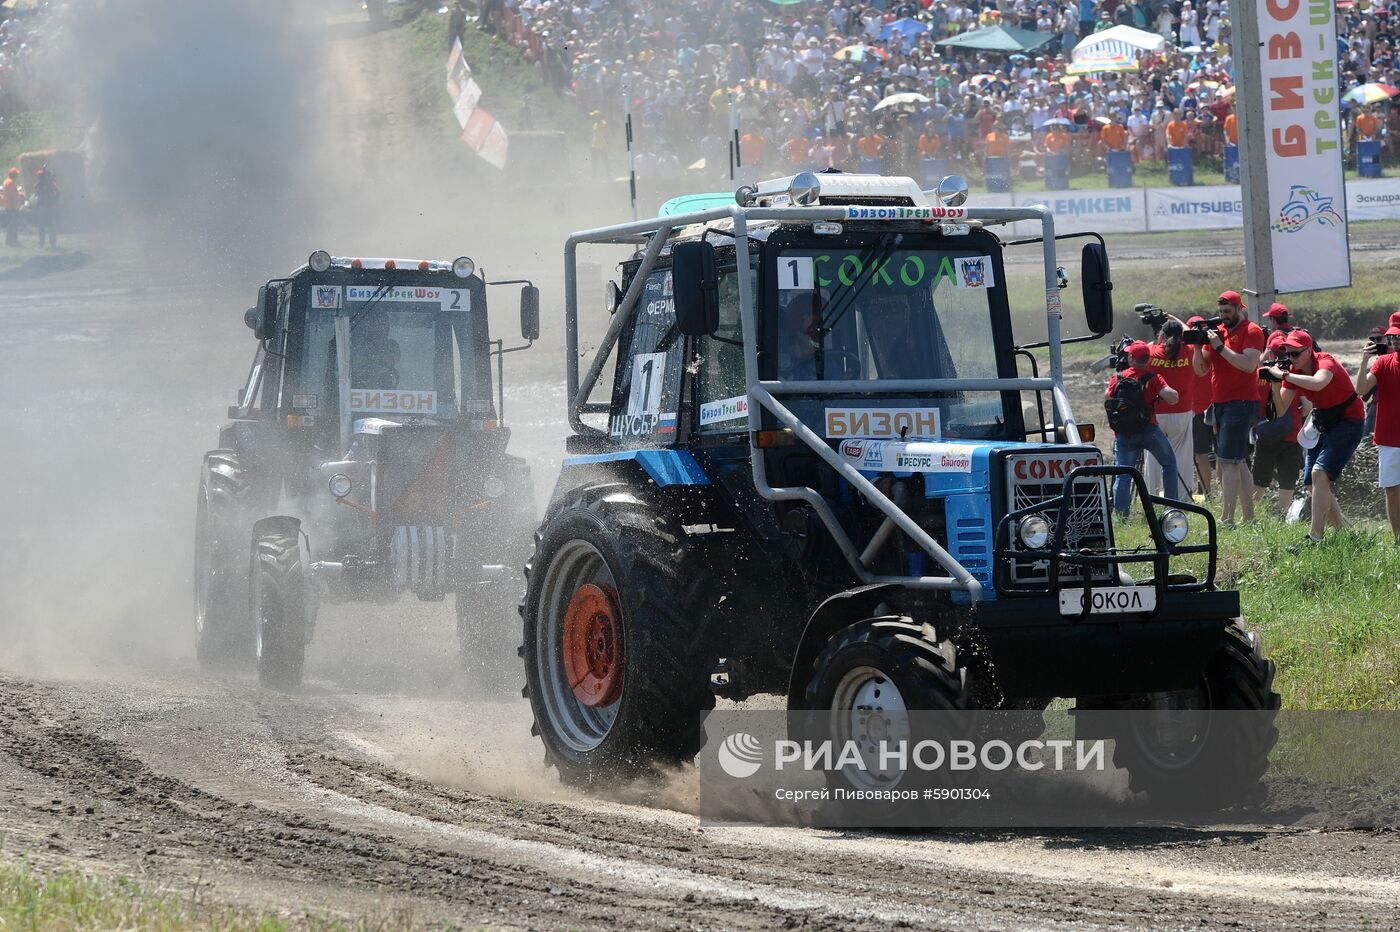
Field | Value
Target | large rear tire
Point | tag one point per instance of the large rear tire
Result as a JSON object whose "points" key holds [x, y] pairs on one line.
{"points": [[614, 621], [1209, 764], [869, 677], [222, 625], [280, 602]]}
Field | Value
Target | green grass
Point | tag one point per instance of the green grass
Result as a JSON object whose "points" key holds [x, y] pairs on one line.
{"points": [[35, 129], [507, 80], [1329, 614], [69, 900]]}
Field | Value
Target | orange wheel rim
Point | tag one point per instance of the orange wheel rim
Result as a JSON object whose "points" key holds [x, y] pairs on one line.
{"points": [[593, 646]]}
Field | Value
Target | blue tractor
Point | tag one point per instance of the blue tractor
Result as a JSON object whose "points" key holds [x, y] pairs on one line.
{"points": [[819, 473]]}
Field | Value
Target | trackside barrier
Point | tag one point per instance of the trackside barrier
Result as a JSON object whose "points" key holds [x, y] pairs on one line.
{"points": [[1203, 207]]}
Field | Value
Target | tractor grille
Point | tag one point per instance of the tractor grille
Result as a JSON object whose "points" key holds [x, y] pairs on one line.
{"points": [[1036, 477]]}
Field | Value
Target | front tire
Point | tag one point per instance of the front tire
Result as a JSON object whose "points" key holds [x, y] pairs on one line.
{"points": [[223, 629], [279, 600], [869, 677], [615, 665], [484, 610], [1209, 765]]}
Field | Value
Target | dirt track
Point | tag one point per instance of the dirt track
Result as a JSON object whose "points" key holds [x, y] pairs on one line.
{"points": [[387, 788]]}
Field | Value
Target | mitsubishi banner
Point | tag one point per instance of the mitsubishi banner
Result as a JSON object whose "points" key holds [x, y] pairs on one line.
{"points": [[1302, 144]]}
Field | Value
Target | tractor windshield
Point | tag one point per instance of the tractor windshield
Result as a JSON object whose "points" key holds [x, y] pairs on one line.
{"points": [[411, 351], [878, 312]]}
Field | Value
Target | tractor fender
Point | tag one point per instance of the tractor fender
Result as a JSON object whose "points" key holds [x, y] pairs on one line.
{"points": [[831, 616]]}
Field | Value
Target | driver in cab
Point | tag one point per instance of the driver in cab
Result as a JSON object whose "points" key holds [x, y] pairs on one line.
{"points": [[804, 353], [378, 363]]}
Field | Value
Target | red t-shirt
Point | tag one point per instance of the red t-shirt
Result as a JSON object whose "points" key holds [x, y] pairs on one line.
{"points": [[1150, 390], [1336, 391], [1178, 374], [1386, 369], [1296, 409], [1228, 383]]}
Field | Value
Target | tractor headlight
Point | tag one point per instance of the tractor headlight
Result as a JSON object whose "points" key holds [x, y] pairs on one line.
{"points": [[340, 485], [493, 487], [463, 267], [1034, 531], [320, 261], [1175, 527]]}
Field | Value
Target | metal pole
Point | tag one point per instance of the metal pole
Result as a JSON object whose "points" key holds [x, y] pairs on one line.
{"points": [[1254, 179], [631, 156], [736, 159]]}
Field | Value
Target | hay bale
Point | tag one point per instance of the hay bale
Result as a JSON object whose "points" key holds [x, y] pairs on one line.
{"points": [[68, 166]]}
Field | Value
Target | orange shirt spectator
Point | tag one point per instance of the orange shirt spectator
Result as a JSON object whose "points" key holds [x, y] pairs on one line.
{"points": [[871, 145], [753, 148], [998, 144], [1232, 130], [1114, 136], [797, 150], [930, 144], [1368, 125], [1056, 141], [1176, 133]]}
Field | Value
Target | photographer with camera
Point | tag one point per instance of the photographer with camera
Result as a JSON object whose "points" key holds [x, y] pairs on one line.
{"points": [[1229, 352], [1277, 455], [1202, 435], [1338, 415], [1380, 372], [1129, 401], [1277, 316], [1172, 361]]}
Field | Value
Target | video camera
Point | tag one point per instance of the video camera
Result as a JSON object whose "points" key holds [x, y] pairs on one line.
{"points": [[1266, 372], [1117, 358], [1151, 315], [1198, 334]]}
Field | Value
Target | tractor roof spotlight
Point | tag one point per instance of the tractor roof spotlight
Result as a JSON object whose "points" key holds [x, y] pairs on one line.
{"points": [[463, 267], [320, 261], [952, 190], [805, 189]]}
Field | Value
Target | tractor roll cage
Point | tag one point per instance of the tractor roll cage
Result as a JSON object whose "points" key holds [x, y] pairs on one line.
{"points": [[655, 233]]}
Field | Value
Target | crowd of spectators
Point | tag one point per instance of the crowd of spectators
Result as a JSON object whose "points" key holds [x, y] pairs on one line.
{"points": [[805, 97], [22, 34]]}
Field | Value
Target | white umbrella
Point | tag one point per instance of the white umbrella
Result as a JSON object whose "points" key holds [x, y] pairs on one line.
{"points": [[894, 100], [1137, 38]]}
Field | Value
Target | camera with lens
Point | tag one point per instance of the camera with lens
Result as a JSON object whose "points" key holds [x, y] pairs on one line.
{"points": [[1283, 363], [1117, 359], [1378, 346], [1199, 332], [1151, 316]]}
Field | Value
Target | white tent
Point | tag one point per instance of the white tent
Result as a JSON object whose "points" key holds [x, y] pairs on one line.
{"points": [[1137, 38]]}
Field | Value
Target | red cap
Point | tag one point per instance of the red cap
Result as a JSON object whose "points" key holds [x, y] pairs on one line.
{"points": [[1299, 339], [1395, 319], [1277, 340], [1139, 348], [1394, 331], [1276, 310], [1198, 319], [1231, 297]]}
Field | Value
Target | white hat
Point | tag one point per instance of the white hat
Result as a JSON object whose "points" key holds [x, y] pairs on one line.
{"points": [[1308, 436]]}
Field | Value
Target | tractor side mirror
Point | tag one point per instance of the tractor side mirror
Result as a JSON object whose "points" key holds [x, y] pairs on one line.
{"points": [[263, 318], [530, 313], [1097, 287], [696, 288]]}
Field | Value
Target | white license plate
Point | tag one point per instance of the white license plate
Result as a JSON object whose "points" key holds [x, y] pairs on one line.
{"points": [[1117, 601]]}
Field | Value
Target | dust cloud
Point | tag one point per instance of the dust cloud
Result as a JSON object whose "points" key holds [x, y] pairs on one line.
{"points": [[226, 141]]}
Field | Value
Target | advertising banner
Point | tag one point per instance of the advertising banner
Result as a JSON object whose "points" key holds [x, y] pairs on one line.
{"points": [[1209, 207], [1120, 211], [1303, 183], [1373, 200]]}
